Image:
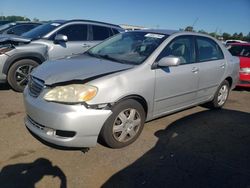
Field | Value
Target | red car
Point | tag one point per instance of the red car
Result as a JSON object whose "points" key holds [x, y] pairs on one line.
{"points": [[242, 50]]}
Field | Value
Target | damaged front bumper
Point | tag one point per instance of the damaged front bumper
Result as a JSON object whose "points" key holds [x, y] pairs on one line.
{"points": [[63, 124]]}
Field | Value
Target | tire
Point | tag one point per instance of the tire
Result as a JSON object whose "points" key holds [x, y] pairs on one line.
{"points": [[18, 73], [122, 129], [220, 96]]}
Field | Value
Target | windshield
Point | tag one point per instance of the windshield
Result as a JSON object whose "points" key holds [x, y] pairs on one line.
{"points": [[41, 30], [129, 47], [6, 26]]}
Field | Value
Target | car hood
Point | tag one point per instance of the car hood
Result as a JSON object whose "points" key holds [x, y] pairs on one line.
{"points": [[76, 68], [13, 39]]}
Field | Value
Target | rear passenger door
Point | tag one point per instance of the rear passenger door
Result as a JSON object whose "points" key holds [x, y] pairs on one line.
{"points": [[211, 64], [77, 38]]}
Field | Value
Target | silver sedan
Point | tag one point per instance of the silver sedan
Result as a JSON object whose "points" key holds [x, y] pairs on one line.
{"points": [[112, 89]]}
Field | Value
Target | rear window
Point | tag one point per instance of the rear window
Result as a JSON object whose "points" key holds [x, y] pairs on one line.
{"points": [[237, 50]]}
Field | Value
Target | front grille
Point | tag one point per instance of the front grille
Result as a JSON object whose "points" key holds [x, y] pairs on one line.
{"points": [[35, 86]]}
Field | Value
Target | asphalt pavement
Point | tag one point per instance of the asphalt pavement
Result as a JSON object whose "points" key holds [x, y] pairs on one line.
{"points": [[197, 147]]}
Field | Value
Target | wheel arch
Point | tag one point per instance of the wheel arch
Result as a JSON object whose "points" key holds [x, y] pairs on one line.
{"points": [[139, 99], [33, 56], [230, 81]]}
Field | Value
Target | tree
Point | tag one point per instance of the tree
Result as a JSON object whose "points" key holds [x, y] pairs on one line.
{"points": [[35, 20], [235, 36], [189, 28], [203, 31], [226, 36], [14, 18], [213, 34], [240, 36], [247, 38]]}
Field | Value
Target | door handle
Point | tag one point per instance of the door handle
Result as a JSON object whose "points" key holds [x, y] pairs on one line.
{"points": [[222, 65], [86, 46], [195, 70]]}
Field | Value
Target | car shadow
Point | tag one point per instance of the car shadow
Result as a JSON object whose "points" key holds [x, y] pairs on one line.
{"points": [[242, 88], [4, 86], [206, 149], [28, 174]]}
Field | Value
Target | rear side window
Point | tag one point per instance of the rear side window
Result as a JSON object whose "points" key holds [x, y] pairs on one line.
{"points": [[182, 47], [246, 52], [208, 50], [115, 31], [76, 32], [101, 33]]}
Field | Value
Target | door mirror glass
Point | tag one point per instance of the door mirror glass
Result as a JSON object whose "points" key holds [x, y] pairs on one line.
{"points": [[61, 38], [169, 61]]}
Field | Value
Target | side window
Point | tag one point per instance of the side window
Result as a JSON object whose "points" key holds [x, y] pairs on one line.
{"points": [[76, 32], [236, 50], [115, 31], [182, 47], [20, 29], [208, 50], [246, 51], [101, 33]]}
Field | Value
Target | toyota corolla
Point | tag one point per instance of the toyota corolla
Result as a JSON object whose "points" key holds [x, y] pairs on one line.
{"points": [[112, 89]]}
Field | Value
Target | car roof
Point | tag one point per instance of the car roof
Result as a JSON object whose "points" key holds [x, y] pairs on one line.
{"points": [[90, 21], [239, 44], [23, 22], [159, 31]]}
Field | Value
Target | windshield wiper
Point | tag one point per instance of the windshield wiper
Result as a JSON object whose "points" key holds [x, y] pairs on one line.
{"points": [[107, 57], [114, 59], [92, 55]]}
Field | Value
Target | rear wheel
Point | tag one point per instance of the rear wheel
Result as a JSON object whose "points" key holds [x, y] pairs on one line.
{"points": [[124, 126], [19, 72], [220, 97]]}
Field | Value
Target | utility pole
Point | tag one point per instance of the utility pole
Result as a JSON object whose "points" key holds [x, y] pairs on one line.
{"points": [[195, 21]]}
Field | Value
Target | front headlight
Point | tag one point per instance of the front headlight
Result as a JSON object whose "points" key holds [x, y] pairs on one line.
{"points": [[245, 70], [74, 93]]}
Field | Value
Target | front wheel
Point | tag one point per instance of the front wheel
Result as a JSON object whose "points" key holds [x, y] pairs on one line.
{"points": [[19, 72], [220, 96], [125, 125]]}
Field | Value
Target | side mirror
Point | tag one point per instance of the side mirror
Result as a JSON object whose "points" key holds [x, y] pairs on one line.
{"points": [[169, 61], [60, 38]]}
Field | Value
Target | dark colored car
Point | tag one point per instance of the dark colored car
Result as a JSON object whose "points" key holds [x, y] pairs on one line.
{"points": [[242, 50], [4, 22], [17, 28]]}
